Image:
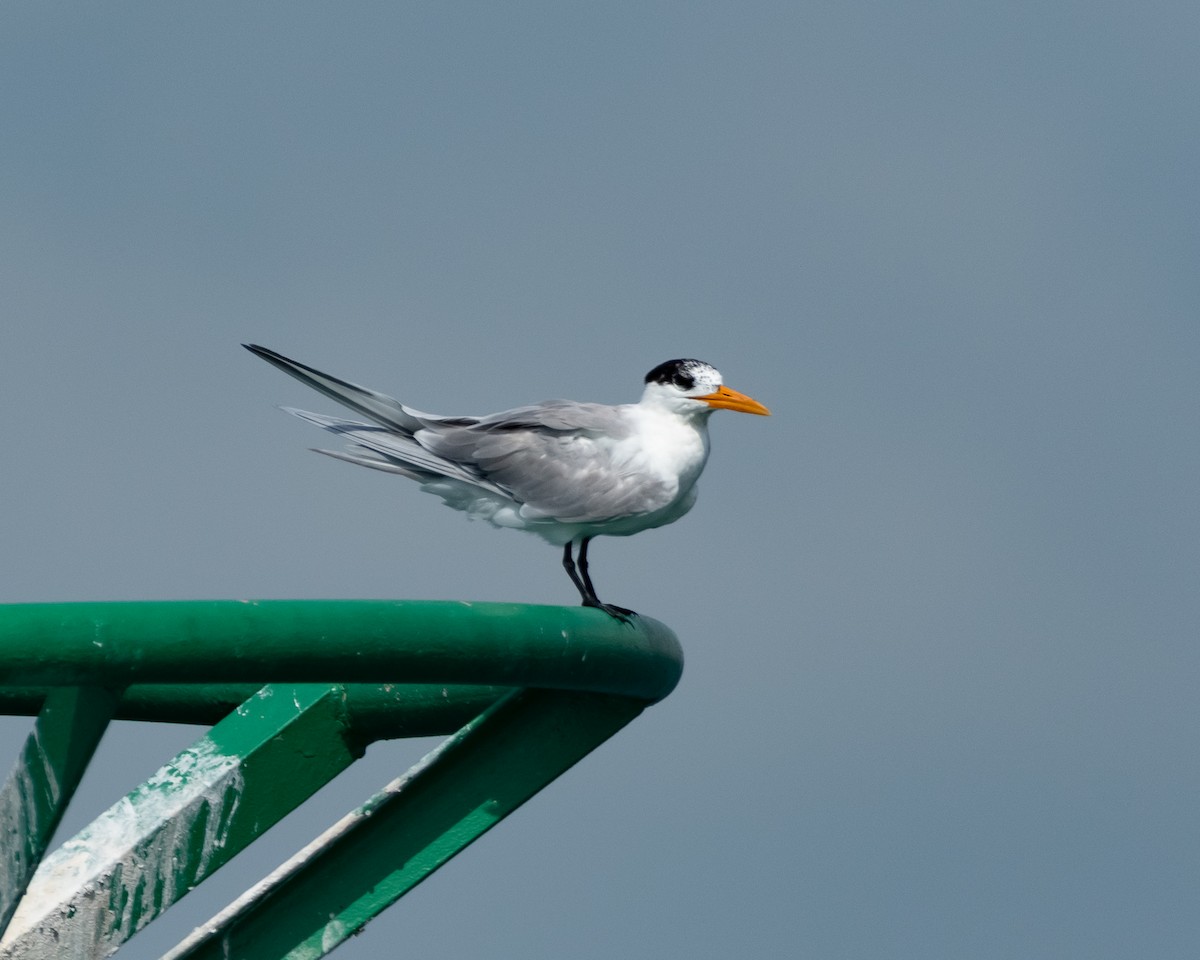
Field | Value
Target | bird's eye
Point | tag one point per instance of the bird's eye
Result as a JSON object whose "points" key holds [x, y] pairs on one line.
{"points": [[684, 381]]}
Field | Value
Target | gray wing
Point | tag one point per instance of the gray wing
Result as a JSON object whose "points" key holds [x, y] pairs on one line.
{"points": [[558, 458]]}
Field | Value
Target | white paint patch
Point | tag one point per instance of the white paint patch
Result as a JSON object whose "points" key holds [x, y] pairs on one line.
{"points": [[334, 933], [131, 863]]}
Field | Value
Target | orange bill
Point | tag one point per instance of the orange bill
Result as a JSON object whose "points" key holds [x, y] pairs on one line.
{"points": [[727, 399]]}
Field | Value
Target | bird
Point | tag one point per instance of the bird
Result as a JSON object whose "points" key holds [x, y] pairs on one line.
{"points": [[564, 470]]}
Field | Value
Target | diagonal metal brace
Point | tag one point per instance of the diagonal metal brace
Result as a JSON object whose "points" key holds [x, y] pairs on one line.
{"points": [[376, 854]]}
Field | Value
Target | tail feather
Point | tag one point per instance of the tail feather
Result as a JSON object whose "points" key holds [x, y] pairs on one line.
{"points": [[378, 407]]}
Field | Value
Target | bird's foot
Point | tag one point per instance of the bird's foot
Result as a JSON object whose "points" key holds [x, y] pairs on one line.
{"points": [[617, 613]]}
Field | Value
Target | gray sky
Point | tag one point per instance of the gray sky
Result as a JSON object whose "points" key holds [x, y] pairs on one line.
{"points": [[939, 611]]}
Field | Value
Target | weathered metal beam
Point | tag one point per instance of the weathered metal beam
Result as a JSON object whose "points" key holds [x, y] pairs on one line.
{"points": [[375, 855], [42, 781], [160, 841]]}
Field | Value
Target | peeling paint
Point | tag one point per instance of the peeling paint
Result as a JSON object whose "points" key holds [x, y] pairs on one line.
{"points": [[18, 813], [132, 862], [28, 806]]}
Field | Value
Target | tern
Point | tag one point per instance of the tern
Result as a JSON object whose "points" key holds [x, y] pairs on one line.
{"points": [[564, 470]]}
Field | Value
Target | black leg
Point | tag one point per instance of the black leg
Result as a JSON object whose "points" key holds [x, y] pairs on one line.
{"points": [[588, 591], [583, 567], [569, 565]]}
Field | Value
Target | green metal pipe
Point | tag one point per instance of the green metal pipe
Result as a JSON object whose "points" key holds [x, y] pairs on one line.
{"points": [[401, 641]]}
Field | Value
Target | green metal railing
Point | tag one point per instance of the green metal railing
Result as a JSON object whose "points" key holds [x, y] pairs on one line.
{"points": [[295, 692]]}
